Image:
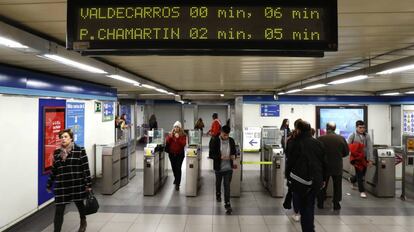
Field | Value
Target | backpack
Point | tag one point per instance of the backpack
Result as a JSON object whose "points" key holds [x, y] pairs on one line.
{"points": [[301, 174]]}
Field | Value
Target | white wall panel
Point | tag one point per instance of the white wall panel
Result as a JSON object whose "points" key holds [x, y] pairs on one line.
{"points": [[167, 115], [18, 157], [379, 120], [205, 112]]}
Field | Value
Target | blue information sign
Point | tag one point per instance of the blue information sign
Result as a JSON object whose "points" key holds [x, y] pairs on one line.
{"points": [[75, 120], [269, 110], [107, 111]]}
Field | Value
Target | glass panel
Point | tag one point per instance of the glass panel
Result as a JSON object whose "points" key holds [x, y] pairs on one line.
{"points": [[194, 137]]}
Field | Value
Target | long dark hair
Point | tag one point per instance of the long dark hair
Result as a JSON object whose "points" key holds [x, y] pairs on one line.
{"points": [[284, 126]]}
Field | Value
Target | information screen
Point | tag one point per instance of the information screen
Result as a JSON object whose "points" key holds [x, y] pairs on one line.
{"points": [[299, 25], [343, 116]]}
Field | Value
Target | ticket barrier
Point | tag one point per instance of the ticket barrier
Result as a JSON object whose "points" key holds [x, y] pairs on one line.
{"points": [[408, 167], [193, 170], [380, 177], [272, 174], [235, 184], [155, 168]]}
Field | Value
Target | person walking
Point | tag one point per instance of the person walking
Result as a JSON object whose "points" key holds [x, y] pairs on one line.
{"points": [[361, 155], [306, 169], [223, 149], [214, 132], [70, 179], [153, 122], [175, 143], [336, 148], [199, 125]]}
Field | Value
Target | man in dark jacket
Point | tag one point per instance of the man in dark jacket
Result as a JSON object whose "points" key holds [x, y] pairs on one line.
{"points": [[223, 150], [336, 148], [306, 169]]}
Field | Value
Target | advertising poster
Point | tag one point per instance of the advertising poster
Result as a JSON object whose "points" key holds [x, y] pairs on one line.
{"points": [[107, 111], [54, 122], [126, 109], [408, 122], [75, 120]]}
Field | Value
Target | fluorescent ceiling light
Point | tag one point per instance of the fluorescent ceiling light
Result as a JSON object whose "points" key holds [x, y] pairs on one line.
{"points": [[396, 70], [169, 93], [409, 92], [161, 90], [11, 43], [74, 64], [221, 95], [315, 86], [148, 86], [347, 80], [281, 93], [124, 79], [294, 91], [390, 94]]}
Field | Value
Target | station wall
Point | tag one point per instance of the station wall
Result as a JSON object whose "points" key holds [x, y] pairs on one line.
{"points": [[379, 118], [19, 152]]}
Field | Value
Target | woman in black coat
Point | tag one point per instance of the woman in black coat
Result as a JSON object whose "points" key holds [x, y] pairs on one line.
{"points": [[71, 178]]}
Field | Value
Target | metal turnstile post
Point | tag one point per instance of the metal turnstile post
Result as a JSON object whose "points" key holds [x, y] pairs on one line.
{"points": [[151, 171], [193, 174], [277, 180]]}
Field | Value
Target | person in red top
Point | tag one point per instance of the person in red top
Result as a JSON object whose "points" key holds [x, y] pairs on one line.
{"points": [[214, 131], [176, 142]]}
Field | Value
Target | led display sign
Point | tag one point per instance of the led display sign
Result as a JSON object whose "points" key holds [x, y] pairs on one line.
{"points": [[284, 25]]}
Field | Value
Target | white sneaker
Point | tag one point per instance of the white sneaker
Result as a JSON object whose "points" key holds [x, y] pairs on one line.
{"points": [[296, 217], [363, 195]]}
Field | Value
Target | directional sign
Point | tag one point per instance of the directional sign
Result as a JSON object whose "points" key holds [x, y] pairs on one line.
{"points": [[108, 111], [269, 110], [251, 139]]}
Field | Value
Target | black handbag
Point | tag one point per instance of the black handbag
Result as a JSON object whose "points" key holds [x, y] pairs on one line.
{"points": [[91, 204]]}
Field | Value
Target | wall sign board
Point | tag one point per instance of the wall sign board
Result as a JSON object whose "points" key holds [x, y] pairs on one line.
{"points": [[189, 25]]}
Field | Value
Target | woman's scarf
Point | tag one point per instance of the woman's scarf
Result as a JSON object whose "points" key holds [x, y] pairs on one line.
{"points": [[64, 151]]}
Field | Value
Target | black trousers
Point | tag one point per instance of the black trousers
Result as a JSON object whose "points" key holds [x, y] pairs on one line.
{"points": [[226, 176], [307, 210], [60, 211], [360, 178], [176, 163], [337, 189]]}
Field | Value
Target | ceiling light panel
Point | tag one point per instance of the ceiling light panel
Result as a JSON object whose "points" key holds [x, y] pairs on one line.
{"points": [[347, 80], [74, 64], [397, 70], [124, 79], [315, 86]]}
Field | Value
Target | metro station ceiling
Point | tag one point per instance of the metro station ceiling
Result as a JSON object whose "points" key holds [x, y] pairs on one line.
{"points": [[366, 29]]}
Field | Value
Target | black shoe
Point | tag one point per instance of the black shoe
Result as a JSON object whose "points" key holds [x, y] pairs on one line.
{"points": [[177, 187], [218, 198], [337, 206], [320, 205], [227, 205], [229, 210]]}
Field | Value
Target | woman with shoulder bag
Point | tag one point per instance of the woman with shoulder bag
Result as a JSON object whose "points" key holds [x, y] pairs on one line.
{"points": [[71, 177]]}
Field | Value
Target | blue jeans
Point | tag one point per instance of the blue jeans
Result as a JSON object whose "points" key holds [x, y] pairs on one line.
{"points": [[306, 206]]}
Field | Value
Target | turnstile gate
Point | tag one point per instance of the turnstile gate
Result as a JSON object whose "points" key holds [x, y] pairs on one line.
{"points": [[193, 170], [272, 171], [380, 177], [155, 168]]}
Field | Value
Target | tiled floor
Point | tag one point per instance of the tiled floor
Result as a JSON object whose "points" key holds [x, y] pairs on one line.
{"points": [[170, 211]]}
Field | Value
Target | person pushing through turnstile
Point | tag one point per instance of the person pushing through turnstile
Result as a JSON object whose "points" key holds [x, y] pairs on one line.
{"points": [[223, 150]]}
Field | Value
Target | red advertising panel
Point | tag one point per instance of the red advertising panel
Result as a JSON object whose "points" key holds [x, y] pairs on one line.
{"points": [[54, 122]]}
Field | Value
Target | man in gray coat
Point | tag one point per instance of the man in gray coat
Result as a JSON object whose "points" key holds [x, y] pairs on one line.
{"points": [[336, 148]]}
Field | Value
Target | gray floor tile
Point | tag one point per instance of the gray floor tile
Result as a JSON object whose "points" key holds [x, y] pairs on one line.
{"points": [[251, 220], [174, 219], [225, 220], [336, 228], [277, 220], [199, 228], [116, 226], [148, 219], [124, 217], [146, 227], [200, 220], [226, 228], [171, 227], [282, 228], [254, 228]]}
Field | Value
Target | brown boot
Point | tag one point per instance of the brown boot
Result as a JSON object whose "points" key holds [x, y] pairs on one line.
{"points": [[82, 227]]}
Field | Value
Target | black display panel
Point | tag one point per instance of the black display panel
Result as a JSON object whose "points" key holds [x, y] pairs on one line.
{"points": [[263, 25]]}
